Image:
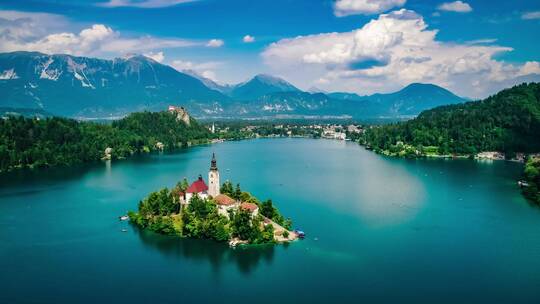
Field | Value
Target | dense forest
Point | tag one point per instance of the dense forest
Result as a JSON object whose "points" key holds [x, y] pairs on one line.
{"points": [[508, 122], [32, 142], [532, 176]]}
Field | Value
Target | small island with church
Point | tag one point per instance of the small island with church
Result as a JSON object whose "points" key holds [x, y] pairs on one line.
{"points": [[223, 213]]}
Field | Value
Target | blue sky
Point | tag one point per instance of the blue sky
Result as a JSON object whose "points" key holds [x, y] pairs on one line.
{"points": [[471, 47]]}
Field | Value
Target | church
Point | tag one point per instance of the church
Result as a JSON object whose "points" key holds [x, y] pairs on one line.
{"points": [[200, 188], [212, 190]]}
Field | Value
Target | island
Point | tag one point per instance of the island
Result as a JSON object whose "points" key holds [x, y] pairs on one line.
{"points": [[220, 212]]}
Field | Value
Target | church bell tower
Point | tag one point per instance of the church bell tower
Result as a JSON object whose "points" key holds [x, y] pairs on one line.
{"points": [[213, 178]]}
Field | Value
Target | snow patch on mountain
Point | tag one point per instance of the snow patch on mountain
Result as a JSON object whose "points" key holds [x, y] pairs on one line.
{"points": [[277, 107], [8, 74], [52, 74], [78, 72]]}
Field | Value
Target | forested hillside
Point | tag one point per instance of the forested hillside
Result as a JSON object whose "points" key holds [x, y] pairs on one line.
{"points": [[26, 142], [532, 176], [508, 121]]}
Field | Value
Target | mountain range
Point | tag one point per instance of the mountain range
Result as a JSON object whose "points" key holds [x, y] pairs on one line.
{"points": [[85, 87]]}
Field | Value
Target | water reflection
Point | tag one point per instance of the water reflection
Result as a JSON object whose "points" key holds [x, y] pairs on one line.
{"points": [[247, 259]]}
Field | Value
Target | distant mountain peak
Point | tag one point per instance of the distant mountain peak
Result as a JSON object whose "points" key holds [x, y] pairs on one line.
{"points": [[128, 56], [260, 85], [420, 84], [136, 56], [316, 90], [90, 87], [417, 88], [268, 78]]}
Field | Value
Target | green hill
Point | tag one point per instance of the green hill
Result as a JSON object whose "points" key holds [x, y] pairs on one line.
{"points": [[508, 121], [33, 142]]}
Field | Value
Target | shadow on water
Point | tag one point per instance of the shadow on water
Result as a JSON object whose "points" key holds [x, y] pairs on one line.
{"points": [[53, 175], [247, 259], [44, 176]]}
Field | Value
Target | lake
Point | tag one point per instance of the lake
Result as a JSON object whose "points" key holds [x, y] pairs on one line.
{"points": [[378, 230]]}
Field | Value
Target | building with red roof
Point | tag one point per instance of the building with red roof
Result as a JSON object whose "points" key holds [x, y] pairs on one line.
{"points": [[224, 200], [225, 203], [252, 208], [198, 187]]}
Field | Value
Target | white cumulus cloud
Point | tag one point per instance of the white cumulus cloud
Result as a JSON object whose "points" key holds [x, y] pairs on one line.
{"points": [[248, 39], [456, 6], [142, 3], [204, 69], [530, 67], [364, 7], [215, 43], [22, 31], [389, 52], [531, 15], [159, 56]]}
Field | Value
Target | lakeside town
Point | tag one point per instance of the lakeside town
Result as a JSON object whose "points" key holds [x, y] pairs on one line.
{"points": [[346, 132]]}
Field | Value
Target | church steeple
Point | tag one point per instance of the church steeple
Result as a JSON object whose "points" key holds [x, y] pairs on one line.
{"points": [[213, 178], [213, 163]]}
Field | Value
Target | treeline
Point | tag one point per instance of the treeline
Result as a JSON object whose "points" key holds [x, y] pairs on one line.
{"points": [[250, 129], [161, 212], [508, 121], [532, 176], [31, 142]]}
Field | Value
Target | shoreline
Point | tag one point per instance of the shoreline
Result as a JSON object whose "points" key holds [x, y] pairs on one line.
{"points": [[480, 156], [150, 152]]}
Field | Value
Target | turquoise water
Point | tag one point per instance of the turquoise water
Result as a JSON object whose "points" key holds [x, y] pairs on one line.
{"points": [[378, 230]]}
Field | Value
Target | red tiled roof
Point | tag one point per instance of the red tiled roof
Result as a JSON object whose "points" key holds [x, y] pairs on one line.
{"points": [[198, 186], [224, 200], [249, 206]]}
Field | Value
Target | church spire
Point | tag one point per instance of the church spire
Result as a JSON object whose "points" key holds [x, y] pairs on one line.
{"points": [[213, 178], [213, 164]]}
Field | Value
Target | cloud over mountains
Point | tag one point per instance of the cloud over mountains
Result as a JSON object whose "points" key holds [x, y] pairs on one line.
{"points": [[43, 32], [388, 52]]}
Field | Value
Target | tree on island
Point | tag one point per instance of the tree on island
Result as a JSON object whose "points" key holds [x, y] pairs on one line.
{"points": [[227, 188], [237, 192], [271, 212], [267, 209], [242, 227], [183, 185]]}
